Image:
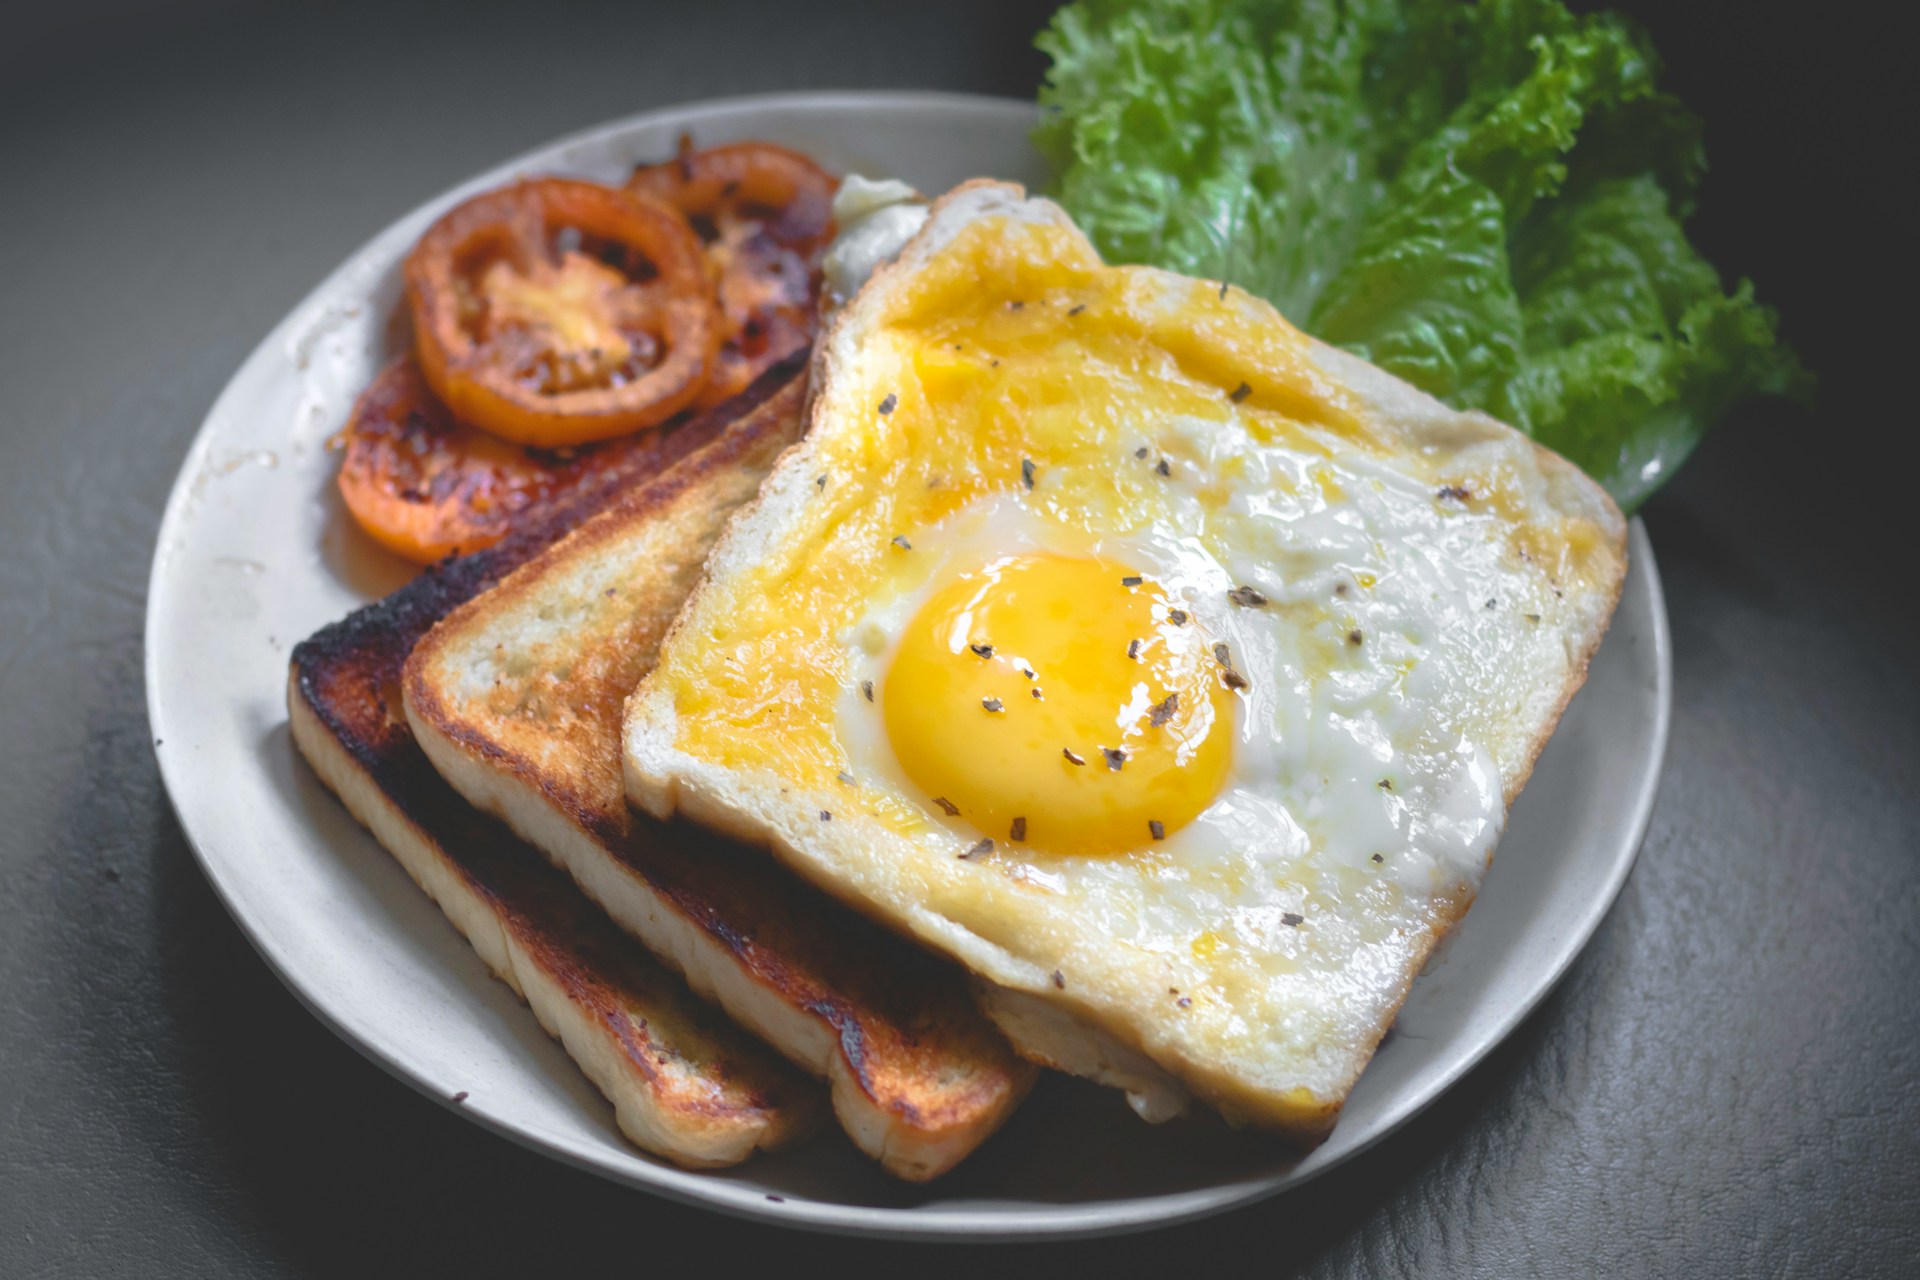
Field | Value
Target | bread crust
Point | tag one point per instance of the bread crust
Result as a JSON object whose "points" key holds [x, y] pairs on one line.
{"points": [[517, 698]]}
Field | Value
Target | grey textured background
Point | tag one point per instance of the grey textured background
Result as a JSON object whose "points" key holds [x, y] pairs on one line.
{"points": [[1725, 1084]]}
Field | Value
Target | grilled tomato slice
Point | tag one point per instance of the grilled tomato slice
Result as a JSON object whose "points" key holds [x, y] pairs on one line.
{"points": [[765, 216], [424, 486], [556, 312]]}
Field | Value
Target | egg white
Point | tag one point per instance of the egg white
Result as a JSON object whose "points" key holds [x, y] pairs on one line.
{"points": [[1333, 773]]}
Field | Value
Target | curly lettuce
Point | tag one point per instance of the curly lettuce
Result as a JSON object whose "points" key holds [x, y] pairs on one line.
{"points": [[1488, 200]]}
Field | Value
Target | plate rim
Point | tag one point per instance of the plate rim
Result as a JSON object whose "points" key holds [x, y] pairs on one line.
{"points": [[1051, 1221]]}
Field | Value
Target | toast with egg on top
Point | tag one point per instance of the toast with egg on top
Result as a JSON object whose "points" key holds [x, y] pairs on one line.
{"points": [[1169, 669], [516, 698]]}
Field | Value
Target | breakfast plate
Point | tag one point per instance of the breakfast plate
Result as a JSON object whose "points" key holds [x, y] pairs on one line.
{"points": [[255, 553]]}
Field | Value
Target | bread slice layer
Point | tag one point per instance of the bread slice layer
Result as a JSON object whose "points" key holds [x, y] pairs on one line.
{"points": [[516, 698], [1399, 600], [685, 1083]]}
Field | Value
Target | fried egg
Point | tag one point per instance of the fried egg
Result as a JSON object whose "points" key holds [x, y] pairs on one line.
{"points": [[1168, 669]]}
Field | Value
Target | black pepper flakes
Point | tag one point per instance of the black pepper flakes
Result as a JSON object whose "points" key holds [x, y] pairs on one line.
{"points": [[1116, 757], [1292, 919], [825, 816], [1027, 672], [1533, 617], [1018, 830], [1163, 710], [1386, 784], [1059, 980], [1454, 493], [1141, 452], [1073, 757], [1131, 580], [1178, 617], [1076, 310], [1163, 467], [1492, 602], [1038, 696], [1026, 473], [993, 704], [1240, 393], [1247, 598], [888, 405], [1354, 637], [1223, 291], [866, 690], [776, 1199], [820, 481], [947, 806], [981, 650], [1185, 1002], [1223, 655], [459, 1097], [1015, 306], [983, 845], [1379, 857], [1234, 680], [900, 541], [1156, 828], [1133, 649]]}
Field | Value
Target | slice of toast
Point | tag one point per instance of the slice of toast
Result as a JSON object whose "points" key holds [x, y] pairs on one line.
{"points": [[1384, 605], [684, 1082], [517, 697]]}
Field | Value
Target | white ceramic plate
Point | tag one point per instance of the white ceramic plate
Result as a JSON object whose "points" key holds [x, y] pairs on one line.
{"points": [[255, 553]]}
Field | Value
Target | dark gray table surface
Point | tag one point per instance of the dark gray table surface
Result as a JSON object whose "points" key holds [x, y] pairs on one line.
{"points": [[1725, 1084]]}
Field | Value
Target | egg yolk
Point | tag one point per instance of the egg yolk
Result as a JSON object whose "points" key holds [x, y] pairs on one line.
{"points": [[1065, 702]]}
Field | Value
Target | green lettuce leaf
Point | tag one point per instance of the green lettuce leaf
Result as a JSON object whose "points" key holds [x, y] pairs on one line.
{"points": [[1487, 200]]}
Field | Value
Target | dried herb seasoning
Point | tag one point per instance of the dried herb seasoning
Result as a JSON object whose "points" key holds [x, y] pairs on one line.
{"points": [[1247, 598]]}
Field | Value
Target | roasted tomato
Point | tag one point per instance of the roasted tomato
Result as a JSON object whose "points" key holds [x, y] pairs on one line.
{"points": [[555, 312], [425, 486], [765, 216]]}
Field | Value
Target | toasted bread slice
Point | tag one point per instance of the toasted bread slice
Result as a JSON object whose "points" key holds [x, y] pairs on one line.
{"points": [[685, 1083], [1372, 609], [516, 697]]}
